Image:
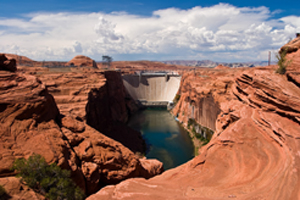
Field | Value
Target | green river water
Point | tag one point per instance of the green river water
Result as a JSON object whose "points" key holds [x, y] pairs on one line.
{"points": [[166, 140]]}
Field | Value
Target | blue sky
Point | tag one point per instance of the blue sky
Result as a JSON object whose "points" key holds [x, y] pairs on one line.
{"points": [[14, 8], [151, 30]]}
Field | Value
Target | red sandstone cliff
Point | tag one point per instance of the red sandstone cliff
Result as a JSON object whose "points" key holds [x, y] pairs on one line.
{"points": [[97, 97], [30, 122], [254, 152]]}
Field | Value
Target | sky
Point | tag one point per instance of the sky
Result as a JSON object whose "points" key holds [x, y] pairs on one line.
{"points": [[158, 30]]}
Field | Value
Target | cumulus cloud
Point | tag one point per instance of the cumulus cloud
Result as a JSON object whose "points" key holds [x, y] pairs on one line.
{"points": [[222, 32]]}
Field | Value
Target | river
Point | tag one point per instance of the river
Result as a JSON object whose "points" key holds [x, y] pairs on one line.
{"points": [[166, 140]]}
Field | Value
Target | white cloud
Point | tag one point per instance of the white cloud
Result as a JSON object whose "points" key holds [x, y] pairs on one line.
{"points": [[222, 32], [77, 47]]}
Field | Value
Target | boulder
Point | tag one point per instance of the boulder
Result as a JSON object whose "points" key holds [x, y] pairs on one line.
{"points": [[82, 61]]}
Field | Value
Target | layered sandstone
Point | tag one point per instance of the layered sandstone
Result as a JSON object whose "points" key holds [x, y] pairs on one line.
{"points": [[30, 123], [254, 152]]}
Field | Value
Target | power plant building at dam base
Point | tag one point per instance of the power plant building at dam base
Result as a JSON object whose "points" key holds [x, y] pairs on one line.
{"points": [[152, 89]]}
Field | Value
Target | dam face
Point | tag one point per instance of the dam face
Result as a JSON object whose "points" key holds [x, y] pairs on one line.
{"points": [[152, 89]]}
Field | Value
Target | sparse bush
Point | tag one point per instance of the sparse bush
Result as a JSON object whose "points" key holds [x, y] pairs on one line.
{"points": [[282, 62], [50, 180], [202, 139]]}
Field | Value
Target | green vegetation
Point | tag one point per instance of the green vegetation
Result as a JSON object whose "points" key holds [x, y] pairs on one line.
{"points": [[193, 125], [49, 180], [201, 138], [2, 191], [106, 61], [282, 62]]}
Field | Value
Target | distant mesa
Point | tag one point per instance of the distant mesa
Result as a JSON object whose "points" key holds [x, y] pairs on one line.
{"points": [[82, 61], [7, 64], [212, 64]]}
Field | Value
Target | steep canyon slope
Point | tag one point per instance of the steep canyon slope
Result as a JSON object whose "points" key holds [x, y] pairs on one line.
{"points": [[254, 152]]}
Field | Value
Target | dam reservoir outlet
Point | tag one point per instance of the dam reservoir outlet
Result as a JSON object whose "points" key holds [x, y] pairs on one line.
{"points": [[166, 140]]}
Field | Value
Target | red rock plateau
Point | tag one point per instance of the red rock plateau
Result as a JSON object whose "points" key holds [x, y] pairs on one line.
{"points": [[254, 152], [132, 66], [32, 123], [83, 61]]}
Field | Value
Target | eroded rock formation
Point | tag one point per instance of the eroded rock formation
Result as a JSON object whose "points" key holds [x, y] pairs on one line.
{"points": [[30, 123], [254, 152]]}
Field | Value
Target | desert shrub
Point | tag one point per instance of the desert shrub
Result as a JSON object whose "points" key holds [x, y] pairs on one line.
{"points": [[2, 191], [202, 139], [282, 62], [50, 180]]}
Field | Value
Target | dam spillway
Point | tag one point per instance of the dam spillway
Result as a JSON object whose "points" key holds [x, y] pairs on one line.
{"points": [[152, 89]]}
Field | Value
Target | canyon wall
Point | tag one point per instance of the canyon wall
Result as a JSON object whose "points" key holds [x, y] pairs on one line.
{"points": [[113, 105], [196, 102], [254, 152], [31, 123], [97, 97]]}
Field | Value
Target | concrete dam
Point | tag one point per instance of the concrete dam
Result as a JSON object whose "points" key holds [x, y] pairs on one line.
{"points": [[152, 89]]}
